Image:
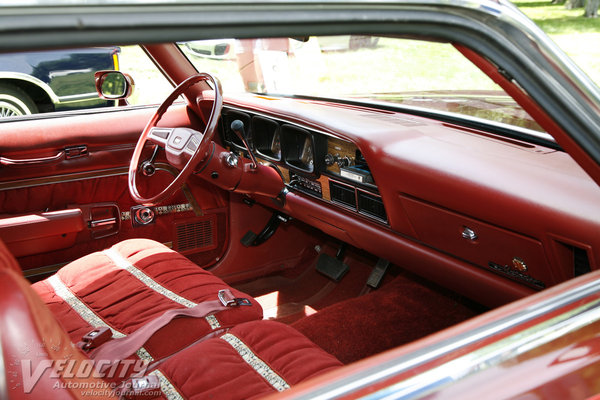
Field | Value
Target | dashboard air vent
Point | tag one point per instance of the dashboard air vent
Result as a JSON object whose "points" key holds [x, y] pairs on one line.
{"points": [[342, 194], [371, 205], [581, 262]]}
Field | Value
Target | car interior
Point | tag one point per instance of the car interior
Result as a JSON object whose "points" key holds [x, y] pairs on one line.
{"points": [[241, 244]]}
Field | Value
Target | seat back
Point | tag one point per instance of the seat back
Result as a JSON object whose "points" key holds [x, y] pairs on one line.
{"points": [[39, 360]]}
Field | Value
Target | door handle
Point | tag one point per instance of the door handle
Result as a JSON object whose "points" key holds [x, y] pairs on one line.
{"points": [[102, 219], [102, 222]]}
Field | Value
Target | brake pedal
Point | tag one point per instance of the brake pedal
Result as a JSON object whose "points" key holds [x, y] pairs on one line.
{"points": [[333, 267]]}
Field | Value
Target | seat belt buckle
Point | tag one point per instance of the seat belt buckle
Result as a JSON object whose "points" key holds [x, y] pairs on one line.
{"points": [[229, 300], [95, 338], [144, 387]]}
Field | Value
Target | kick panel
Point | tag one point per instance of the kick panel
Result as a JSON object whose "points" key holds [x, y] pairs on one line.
{"points": [[194, 235]]}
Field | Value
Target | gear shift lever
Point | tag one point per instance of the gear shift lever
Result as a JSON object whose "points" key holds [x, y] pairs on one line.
{"points": [[237, 127]]}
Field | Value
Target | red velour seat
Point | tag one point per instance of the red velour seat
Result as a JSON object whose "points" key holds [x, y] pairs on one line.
{"points": [[129, 285], [246, 361], [250, 361]]}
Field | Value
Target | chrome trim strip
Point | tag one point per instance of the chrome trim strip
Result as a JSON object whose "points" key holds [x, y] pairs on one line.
{"points": [[78, 97], [162, 210], [405, 363], [166, 386], [256, 363], [122, 263], [87, 314], [435, 379]]}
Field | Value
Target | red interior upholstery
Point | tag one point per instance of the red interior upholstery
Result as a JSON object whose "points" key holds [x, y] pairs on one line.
{"points": [[32, 339], [248, 361], [271, 356], [122, 300]]}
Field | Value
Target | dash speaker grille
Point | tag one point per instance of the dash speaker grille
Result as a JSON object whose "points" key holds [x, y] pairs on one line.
{"points": [[196, 235]]}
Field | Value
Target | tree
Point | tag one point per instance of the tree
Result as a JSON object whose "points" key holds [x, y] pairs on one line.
{"points": [[572, 4], [591, 8]]}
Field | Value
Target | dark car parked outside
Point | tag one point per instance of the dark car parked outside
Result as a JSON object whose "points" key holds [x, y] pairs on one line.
{"points": [[46, 81]]}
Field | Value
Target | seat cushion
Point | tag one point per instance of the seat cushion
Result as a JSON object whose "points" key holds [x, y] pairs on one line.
{"points": [[250, 361], [132, 283]]}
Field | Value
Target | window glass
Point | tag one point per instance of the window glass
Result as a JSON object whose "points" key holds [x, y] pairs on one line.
{"points": [[151, 86], [409, 72], [63, 80]]}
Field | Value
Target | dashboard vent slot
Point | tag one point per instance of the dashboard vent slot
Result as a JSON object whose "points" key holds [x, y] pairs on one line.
{"points": [[581, 262], [195, 236], [371, 205], [342, 194]]}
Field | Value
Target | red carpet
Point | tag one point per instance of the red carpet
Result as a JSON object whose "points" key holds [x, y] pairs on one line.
{"points": [[400, 312]]}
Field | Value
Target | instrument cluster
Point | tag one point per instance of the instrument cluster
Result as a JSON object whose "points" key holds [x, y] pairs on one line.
{"points": [[312, 162]]}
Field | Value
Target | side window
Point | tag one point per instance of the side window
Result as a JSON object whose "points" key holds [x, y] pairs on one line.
{"points": [[63, 80]]}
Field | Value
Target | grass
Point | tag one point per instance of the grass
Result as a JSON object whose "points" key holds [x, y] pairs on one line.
{"points": [[575, 35], [554, 19]]}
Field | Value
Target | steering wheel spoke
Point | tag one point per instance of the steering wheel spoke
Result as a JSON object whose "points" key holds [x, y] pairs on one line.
{"points": [[181, 146], [160, 136], [185, 148]]}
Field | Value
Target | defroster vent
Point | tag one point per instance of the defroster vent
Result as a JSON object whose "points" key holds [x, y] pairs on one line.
{"points": [[196, 235]]}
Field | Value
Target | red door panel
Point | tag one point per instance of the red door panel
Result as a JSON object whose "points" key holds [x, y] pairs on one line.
{"points": [[38, 175]]}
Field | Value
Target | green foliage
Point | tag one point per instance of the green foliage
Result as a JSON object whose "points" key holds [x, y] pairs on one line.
{"points": [[556, 19], [576, 35]]}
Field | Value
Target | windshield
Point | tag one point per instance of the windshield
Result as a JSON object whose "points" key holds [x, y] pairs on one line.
{"points": [[414, 73]]}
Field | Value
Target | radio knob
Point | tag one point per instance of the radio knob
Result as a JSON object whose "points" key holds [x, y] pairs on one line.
{"points": [[344, 161], [329, 160]]}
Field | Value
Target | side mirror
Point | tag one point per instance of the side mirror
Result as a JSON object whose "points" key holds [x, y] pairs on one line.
{"points": [[113, 85]]}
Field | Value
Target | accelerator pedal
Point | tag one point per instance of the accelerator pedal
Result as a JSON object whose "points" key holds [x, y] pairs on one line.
{"points": [[378, 273]]}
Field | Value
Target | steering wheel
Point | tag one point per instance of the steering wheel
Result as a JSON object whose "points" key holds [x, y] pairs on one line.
{"points": [[185, 148]]}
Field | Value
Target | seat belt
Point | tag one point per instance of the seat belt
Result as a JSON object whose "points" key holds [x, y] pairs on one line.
{"points": [[118, 349]]}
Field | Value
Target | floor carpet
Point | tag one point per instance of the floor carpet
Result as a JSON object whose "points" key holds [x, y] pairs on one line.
{"points": [[400, 312]]}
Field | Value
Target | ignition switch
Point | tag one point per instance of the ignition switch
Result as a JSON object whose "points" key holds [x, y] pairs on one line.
{"points": [[142, 215]]}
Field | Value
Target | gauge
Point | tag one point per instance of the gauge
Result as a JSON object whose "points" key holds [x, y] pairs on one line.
{"points": [[306, 156], [265, 133], [298, 148], [276, 146]]}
